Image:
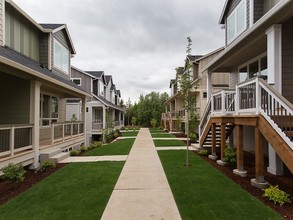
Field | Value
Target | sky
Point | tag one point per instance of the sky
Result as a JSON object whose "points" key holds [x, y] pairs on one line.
{"points": [[138, 42]]}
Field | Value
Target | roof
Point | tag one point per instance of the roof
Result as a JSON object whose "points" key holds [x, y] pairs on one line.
{"points": [[172, 81], [194, 57], [107, 103], [98, 74], [225, 8], [180, 70], [108, 78], [51, 26], [43, 72]]}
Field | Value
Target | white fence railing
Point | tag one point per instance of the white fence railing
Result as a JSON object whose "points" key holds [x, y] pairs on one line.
{"points": [[66, 130], [15, 138]]}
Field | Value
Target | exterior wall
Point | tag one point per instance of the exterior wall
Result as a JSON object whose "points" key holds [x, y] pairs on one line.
{"points": [[2, 21], [18, 95], [258, 9], [61, 37], [62, 110], [73, 108], [287, 60], [44, 41], [233, 79], [20, 34], [85, 80]]}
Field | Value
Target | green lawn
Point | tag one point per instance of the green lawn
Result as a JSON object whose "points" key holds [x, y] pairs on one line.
{"points": [[168, 143], [129, 133], [156, 130], [163, 135], [77, 191], [120, 147], [202, 192]]}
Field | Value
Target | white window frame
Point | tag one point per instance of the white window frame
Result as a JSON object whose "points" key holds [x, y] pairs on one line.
{"points": [[101, 90], [258, 58], [79, 84], [235, 14], [64, 50], [50, 119]]}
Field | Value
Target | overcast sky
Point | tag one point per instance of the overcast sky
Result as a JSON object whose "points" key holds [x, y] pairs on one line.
{"points": [[138, 42]]}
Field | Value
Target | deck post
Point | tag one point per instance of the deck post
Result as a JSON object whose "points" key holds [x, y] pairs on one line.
{"points": [[239, 148], [259, 180], [223, 145], [213, 156]]}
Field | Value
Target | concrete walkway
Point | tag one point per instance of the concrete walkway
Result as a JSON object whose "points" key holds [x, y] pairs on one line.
{"points": [[142, 190], [94, 159]]}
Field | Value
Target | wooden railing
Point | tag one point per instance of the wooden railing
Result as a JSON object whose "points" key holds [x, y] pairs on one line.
{"points": [[66, 130], [205, 117], [15, 138], [97, 126]]}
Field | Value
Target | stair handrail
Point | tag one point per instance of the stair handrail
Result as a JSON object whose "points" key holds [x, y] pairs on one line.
{"points": [[276, 100], [205, 116]]}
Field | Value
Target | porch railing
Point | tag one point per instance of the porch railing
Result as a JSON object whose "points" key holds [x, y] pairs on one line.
{"points": [[67, 130], [15, 138], [254, 96], [97, 126]]}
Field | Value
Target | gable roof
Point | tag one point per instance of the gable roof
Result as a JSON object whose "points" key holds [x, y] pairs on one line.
{"points": [[193, 57], [172, 81], [54, 28], [108, 78], [225, 8], [17, 60], [98, 74]]}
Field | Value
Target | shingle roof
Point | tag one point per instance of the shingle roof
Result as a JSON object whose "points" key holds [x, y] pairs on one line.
{"points": [[51, 26], [194, 57], [34, 65], [108, 78], [110, 104], [96, 73]]}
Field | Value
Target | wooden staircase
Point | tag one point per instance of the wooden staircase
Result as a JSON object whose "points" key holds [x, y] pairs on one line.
{"points": [[206, 141]]}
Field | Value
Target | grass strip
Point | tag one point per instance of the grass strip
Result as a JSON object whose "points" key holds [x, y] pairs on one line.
{"points": [[202, 192], [168, 143], [129, 133], [120, 147], [162, 135], [157, 130], [77, 191]]}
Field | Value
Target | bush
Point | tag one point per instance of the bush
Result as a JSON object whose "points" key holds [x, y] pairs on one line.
{"points": [[276, 195], [47, 165], [83, 148], [96, 144], [203, 152], [122, 128], [229, 155], [74, 152], [116, 135], [154, 123], [13, 172]]}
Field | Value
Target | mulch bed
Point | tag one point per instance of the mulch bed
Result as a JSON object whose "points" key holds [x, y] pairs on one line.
{"points": [[9, 190]]}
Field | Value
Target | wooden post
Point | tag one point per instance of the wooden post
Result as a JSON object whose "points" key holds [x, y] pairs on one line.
{"points": [[213, 139], [223, 140], [239, 145], [259, 156]]}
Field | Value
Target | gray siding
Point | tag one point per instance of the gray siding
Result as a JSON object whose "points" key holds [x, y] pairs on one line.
{"points": [[287, 59], [258, 9], [44, 41], [15, 107], [233, 79], [85, 80], [62, 110], [20, 34]]}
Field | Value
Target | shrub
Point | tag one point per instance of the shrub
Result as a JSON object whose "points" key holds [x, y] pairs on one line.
{"points": [[13, 172], [154, 123], [276, 195], [83, 148], [229, 155], [192, 136], [116, 135], [122, 128], [74, 152], [96, 144], [203, 152], [47, 165]]}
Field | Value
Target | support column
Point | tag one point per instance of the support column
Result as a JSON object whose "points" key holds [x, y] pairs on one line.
{"points": [[104, 117], [209, 85], [239, 148], [259, 180], [223, 145], [35, 91], [274, 54], [213, 156]]}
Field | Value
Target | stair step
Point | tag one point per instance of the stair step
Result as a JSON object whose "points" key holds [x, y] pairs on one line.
{"points": [[47, 154], [61, 156]]}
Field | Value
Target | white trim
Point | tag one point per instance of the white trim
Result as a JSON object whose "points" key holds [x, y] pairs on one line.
{"points": [[76, 78], [50, 52], [251, 14]]}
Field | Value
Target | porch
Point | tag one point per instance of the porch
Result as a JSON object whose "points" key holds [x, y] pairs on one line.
{"points": [[256, 105]]}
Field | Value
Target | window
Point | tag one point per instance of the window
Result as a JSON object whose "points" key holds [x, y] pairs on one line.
{"points": [[256, 67], [204, 95], [236, 22], [77, 81], [48, 110], [61, 57], [101, 88]]}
